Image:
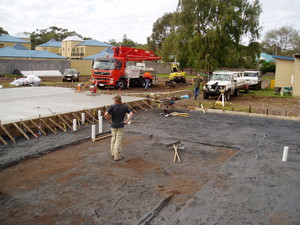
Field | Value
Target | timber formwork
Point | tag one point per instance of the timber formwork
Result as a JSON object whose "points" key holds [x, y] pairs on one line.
{"points": [[33, 128]]}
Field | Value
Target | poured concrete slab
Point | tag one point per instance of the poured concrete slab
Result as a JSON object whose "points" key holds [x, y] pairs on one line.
{"points": [[30, 102]]}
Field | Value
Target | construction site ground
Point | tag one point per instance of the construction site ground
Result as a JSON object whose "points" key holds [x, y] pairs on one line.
{"points": [[68, 179]]}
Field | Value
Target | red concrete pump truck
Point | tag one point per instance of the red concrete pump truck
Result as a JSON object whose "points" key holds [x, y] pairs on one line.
{"points": [[113, 72]]}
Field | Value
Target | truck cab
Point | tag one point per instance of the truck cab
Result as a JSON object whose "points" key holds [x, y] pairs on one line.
{"points": [[227, 82], [253, 79], [109, 72]]}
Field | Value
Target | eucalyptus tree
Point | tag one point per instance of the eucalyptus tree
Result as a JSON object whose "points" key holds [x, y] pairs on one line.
{"points": [[282, 41], [208, 34]]}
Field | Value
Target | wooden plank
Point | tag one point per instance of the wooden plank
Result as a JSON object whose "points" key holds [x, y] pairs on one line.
{"points": [[50, 128], [86, 84], [39, 128], [8, 134], [22, 132], [60, 127], [176, 153], [67, 118], [147, 104], [78, 119], [3, 141], [139, 105], [29, 129], [130, 107], [156, 102], [68, 125], [102, 137], [87, 112]]}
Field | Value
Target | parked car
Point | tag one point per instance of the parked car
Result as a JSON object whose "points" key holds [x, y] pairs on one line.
{"points": [[71, 75]]}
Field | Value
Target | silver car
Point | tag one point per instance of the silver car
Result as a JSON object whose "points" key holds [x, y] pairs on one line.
{"points": [[71, 75]]}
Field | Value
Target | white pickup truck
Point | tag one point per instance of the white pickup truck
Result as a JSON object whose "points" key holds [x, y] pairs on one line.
{"points": [[253, 79], [228, 82]]}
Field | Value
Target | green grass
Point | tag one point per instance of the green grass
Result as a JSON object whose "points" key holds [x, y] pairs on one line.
{"points": [[266, 93]]}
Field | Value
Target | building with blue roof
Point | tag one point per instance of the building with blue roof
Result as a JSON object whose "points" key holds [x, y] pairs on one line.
{"points": [[266, 57], [50, 46], [7, 40], [9, 53], [75, 48], [107, 52], [287, 74]]}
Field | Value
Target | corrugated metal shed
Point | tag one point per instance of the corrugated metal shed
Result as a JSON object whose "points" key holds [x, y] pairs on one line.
{"points": [[108, 52], [8, 38], [94, 43], [51, 43], [15, 53]]}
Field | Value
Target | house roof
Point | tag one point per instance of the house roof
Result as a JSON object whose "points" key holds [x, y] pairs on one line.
{"points": [[283, 57], [51, 43], [73, 38], [94, 43], [266, 57], [9, 38], [108, 52], [15, 53], [19, 46]]}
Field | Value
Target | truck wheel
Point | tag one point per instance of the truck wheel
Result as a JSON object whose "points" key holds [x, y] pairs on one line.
{"points": [[236, 92], [122, 84], [142, 82], [205, 95], [227, 95]]}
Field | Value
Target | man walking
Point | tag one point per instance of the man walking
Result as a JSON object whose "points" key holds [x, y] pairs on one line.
{"points": [[147, 76], [196, 83], [117, 113]]}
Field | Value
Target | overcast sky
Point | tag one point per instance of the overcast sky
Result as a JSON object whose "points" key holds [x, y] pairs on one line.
{"points": [[111, 19]]}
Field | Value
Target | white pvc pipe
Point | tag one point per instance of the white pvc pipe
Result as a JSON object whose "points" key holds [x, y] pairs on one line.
{"points": [[285, 153], [223, 99], [83, 118], [74, 125], [93, 132], [100, 124], [99, 113], [129, 122]]}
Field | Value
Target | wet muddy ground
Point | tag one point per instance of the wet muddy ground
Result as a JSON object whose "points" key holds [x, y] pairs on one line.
{"points": [[69, 179]]}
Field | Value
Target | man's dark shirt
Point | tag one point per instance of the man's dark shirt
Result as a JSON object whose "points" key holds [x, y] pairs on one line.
{"points": [[117, 112]]}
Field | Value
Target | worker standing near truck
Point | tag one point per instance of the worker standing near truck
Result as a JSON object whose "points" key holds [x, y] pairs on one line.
{"points": [[117, 113], [147, 76], [196, 83]]}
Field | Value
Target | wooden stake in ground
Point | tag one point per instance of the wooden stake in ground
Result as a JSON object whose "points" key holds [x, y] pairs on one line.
{"points": [[47, 125], [8, 134], [22, 132], [38, 127], [29, 129]]}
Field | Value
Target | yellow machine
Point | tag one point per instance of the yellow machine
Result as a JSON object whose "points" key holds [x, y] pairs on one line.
{"points": [[176, 75]]}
